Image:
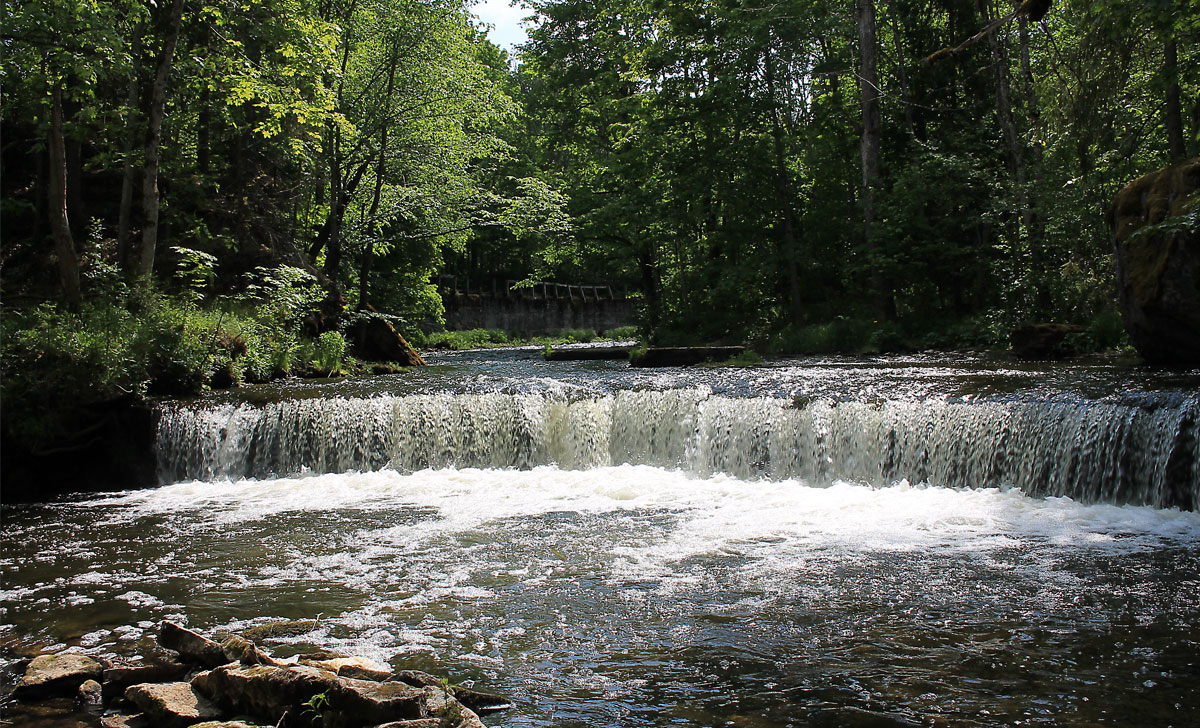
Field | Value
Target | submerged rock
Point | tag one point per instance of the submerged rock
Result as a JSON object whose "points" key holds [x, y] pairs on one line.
{"points": [[191, 646], [56, 675], [172, 705], [1158, 268]]}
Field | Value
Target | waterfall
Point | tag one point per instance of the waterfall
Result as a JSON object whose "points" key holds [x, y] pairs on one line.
{"points": [[1141, 452]]}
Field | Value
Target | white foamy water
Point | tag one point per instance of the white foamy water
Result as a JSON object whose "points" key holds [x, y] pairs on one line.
{"points": [[716, 510]]}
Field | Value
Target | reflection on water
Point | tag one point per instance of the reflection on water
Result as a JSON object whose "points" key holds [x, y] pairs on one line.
{"points": [[638, 596]]}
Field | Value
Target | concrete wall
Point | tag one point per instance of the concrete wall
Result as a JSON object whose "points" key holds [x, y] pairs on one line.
{"points": [[535, 316]]}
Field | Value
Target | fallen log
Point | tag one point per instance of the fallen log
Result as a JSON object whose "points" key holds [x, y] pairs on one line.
{"points": [[683, 356], [589, 353]]}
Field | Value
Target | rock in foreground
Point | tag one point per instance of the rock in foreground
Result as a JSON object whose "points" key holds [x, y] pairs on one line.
{"points": [[249, 684]]}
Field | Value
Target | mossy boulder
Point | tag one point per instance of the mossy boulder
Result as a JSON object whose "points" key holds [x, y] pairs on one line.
{"points": [[1157, 249]]}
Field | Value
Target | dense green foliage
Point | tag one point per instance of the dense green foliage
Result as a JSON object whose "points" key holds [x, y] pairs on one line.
{"points": [[711, 154], [196, 192]]}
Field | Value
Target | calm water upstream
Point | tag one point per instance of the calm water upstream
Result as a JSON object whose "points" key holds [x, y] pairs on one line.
{"points": [[907, 541]]}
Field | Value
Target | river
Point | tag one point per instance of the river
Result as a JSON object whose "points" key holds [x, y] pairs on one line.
{"points": [[904, 541]]}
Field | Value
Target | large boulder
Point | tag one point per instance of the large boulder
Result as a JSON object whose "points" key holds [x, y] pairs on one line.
{"points": [[56, 675], [1158, 269]]}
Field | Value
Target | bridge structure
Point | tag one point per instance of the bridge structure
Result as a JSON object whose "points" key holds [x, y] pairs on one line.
{"points": [[540, 308]]}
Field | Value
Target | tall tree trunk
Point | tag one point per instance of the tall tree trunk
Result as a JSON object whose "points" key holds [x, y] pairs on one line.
{"points": [[127, 179], [76, 207], [869, 93], [60, 226], [1173, 110], [1016, 155], [158, 104], [906, 97], [364, 274], [783, 191]]}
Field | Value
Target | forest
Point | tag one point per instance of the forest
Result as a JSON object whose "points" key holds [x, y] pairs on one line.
{"points": [[198, 193]]}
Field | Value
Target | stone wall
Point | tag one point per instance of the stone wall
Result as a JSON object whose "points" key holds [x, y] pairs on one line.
{"points": [[535, 315]]}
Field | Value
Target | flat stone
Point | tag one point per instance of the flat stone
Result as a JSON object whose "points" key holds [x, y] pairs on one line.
{"points": [[124, 721], [191, 646], [172, 705], [119, 677], [61, 674], [359, 672], [336, 664], [416, 678], [264, 692], [224, 724], [366, 702]]}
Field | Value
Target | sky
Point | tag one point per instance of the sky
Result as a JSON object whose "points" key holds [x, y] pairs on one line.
{"points": [[506, 19]]}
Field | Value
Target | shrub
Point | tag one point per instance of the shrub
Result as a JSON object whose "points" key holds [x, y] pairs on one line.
{"points": [[328, 351], [622, 333]]}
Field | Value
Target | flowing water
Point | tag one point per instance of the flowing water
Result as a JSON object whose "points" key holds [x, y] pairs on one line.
{"points": [[811, 543]]}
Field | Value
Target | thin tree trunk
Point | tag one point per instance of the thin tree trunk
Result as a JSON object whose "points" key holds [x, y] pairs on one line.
{"points": [[127, 179], [60, 226], [337, 207], [364, 274], [204, 119], [1174, 113], [158, 103], [869, 93], [1016, 157], [337, 195], [902, 70]]}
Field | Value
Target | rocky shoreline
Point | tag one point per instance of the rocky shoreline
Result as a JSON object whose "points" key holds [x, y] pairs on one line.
{"points": [[189, 680]]}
